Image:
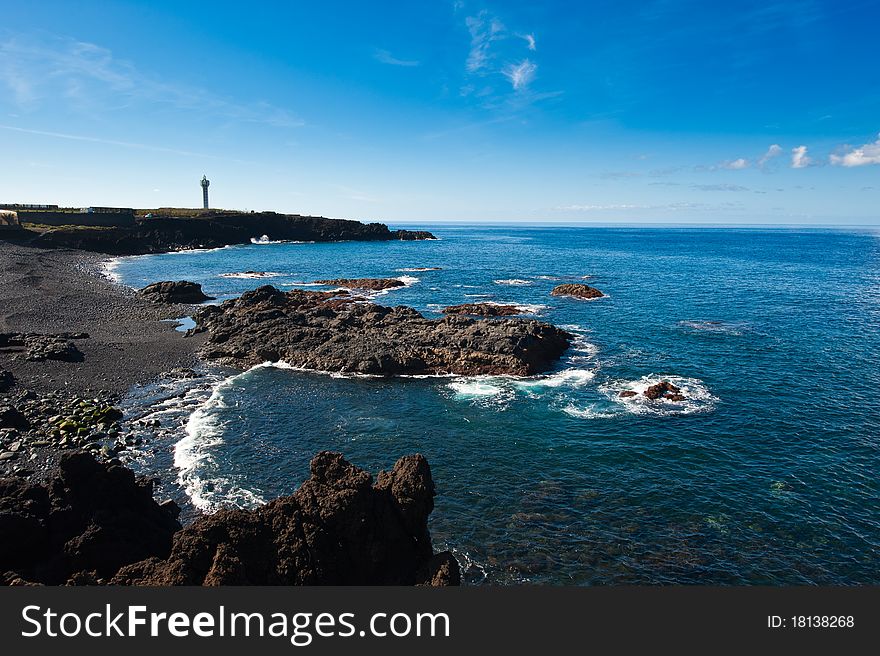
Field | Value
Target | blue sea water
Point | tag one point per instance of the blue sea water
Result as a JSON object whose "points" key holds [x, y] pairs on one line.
{"points": [[767, 474]]}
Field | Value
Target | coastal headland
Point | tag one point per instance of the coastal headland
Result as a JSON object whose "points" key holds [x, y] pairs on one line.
{"points": [[163, 230]]}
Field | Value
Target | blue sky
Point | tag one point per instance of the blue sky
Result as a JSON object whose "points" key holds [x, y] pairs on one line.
{"points": [[668, 111]]}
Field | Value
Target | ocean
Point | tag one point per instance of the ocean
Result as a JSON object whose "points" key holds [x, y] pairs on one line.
{"points": [[766, 474]]}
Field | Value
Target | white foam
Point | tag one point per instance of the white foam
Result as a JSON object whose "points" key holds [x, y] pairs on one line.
{"points": [[513, 281], [565, 378], [251, 274], [109, 268], [470, 388], [698, 398], [590, 412], [417, 269], [192, 455], [194, 251], [266, 241]]}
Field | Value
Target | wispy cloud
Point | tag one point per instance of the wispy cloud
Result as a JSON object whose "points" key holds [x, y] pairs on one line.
{"points": [[520, 75], [719, 187], [42, 68], [736, 164], [799, 158], [530, 41], [114, 142], [861, 156], [484, 30], [774, 151], [387, 58]]}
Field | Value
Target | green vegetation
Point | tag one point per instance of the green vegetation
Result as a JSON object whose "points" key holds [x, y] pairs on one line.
{"points": [[42, 227]]}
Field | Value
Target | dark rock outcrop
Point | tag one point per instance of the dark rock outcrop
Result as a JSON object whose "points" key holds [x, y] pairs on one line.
{"points": [[213, 229], [38, 347], [577, 290], [89, 520], [373, 284], [338, 528], [7, 380], [328, 332], [664, 390], [11, 417], [628, 394], [483, 309], [168, 291]]}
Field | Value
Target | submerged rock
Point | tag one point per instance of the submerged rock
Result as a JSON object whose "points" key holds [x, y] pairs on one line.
{"points": [[664, 390], [373, 284], [168, 291], [577, 290], [324, 331], [338, 528], [483, 309]]}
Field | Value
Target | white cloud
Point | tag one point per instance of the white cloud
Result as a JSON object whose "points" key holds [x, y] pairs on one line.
{"points": [[736, 164], [861, 156], [520, 75], [719, 187], [483, 29], [773, 151], [799, 158], [387, 58], [530, 41]]}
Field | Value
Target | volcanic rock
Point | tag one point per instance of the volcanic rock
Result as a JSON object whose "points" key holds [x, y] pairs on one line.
{"points": [[7, 380], [627, 394], [576, 290], [90, 519], [325, 332], [11, 417], [181, 291], [483, 309], [373, 284], [338, 528], [664, 390], [166, 231], [38, 347]]}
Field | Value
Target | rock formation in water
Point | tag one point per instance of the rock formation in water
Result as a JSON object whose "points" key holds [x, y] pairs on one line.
{"points": [[372, 284], [181, 291], [664, 390], [95, 522], [576, 290], [325, 331], [214, 229], [338, 528], [483, 309]]}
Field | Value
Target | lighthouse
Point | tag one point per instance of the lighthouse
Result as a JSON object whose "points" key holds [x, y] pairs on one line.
{"points": [[205, 183]]}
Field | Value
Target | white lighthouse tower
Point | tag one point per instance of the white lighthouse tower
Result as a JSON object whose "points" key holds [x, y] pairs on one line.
{"points": [[205, 183]]}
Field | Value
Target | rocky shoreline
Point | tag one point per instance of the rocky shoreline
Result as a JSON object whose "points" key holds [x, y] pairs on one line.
{"points": [[71, 513], [334, 331]]}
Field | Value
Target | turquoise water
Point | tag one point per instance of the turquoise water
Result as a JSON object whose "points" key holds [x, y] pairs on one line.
{"points": [[767, 474]]}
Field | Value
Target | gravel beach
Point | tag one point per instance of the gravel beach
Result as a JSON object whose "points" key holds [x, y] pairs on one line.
{"points": [[104, 338], [56, 291]]}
